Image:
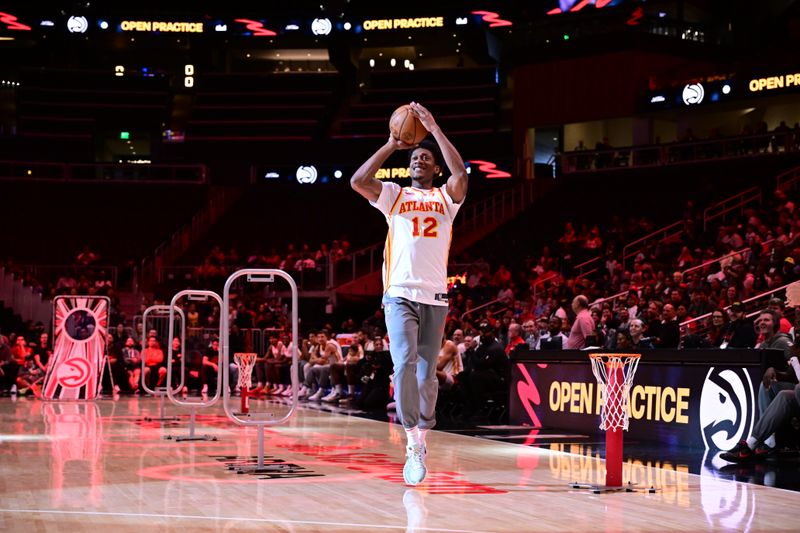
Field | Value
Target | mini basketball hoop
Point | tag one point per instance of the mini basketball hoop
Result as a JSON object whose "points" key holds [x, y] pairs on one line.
{"points": [[614, 373], [245, 362]]}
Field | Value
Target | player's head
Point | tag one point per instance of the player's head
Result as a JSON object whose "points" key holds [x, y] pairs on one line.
{"points": [[425, 161]]}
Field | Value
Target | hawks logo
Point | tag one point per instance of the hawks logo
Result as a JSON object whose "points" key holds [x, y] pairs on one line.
{"points": [[74, 372], [727, 408]]}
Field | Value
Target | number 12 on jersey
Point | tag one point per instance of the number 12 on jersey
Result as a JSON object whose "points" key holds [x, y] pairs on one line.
{"points": [[430, 227]]}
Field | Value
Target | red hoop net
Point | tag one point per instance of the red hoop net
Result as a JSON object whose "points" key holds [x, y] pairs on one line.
{"points": [[245, 362], [615, 372]]}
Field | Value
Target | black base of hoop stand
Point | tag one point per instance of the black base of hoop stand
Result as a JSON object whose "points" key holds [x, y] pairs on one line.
{"points": [[191, 436], [161, 394], [260, 467], [604, 489]]}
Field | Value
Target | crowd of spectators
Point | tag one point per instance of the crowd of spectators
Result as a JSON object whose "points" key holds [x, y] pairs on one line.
{"points": [[674, 281], [689, 146], [670, 294], [294, 258]]}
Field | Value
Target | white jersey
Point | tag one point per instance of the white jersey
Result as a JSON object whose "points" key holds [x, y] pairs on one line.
{"points": [[418, 242]]}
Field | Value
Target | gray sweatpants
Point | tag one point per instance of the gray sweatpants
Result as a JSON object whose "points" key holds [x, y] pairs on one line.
{"points": [[415, 338], [785, 404]]}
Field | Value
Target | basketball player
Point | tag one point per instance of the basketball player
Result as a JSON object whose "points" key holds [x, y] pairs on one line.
{"points": [[420, 220]]}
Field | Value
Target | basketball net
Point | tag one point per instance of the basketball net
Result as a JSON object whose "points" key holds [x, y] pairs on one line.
{"points": [[614, 372], [245, 362]]}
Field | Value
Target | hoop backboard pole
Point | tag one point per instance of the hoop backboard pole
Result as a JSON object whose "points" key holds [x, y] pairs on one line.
{"points": [[614, 436], [172, 395], [258, 276], [160, 392]]}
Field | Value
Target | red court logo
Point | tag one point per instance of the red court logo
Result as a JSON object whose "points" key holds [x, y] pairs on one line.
{"points": [[74, 373]]}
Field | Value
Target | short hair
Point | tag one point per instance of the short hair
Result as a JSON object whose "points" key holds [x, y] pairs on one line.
{"points": [[432, 147], [776, 318], [582, 300], [778, 302]]}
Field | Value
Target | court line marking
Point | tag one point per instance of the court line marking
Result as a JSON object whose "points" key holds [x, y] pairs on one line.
{"points": [[234, 518]]}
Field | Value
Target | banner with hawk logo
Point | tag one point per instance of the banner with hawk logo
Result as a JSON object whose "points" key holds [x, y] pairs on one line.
{"points": [[79, 348]]}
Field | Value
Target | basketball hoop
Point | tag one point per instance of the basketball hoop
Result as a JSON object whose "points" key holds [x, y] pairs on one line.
{"points": [[245, 362], [614, 373]]}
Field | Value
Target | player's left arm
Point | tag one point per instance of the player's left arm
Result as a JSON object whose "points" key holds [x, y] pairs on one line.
{"points": [[457, 182]]}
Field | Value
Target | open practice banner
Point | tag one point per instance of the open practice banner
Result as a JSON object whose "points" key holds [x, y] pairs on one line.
{"points": [[689, 397]]}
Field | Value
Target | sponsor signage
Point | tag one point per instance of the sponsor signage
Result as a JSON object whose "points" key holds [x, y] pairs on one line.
{"points": [[771, 83], [403, 24], [156, 26], [712, 405]]}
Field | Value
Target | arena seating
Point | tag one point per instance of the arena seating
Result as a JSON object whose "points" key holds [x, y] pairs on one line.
{"points": [[271, 107]]}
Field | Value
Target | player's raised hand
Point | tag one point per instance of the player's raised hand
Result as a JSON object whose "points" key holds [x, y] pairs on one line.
{"points": [[424, 116], [397, 144]]}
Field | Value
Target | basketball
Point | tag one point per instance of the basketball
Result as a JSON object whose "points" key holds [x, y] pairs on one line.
{"points": [[405, 127]]}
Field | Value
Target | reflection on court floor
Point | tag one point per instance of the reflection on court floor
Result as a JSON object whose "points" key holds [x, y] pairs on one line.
{"points": [[77, 466]]}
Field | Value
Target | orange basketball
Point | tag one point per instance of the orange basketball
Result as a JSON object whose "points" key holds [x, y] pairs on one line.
{"points": [[405, 127]]}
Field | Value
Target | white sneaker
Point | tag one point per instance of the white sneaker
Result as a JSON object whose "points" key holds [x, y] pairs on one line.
{"points": [[303, 392], [332, 397], [277, 391], [414, 470], [287, 391], [316, 396]]}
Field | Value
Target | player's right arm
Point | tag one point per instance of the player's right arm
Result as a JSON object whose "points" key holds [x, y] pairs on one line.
{"points": [[363, 180]]}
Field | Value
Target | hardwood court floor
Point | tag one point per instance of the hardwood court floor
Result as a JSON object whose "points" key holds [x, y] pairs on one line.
{"points": [[99, 467]]}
